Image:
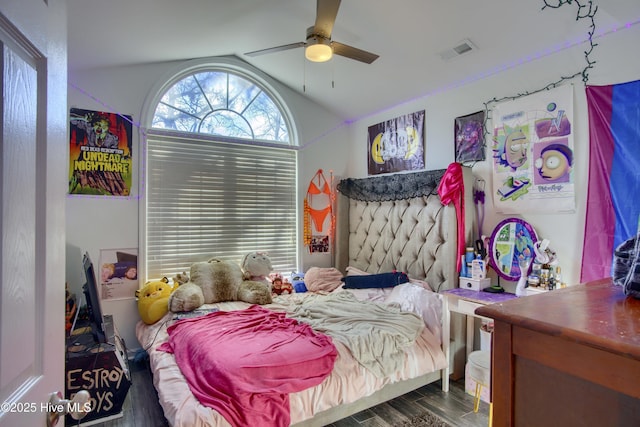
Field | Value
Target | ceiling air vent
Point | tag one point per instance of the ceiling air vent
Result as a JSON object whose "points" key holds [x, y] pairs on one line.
{"points": [[464, 47]]}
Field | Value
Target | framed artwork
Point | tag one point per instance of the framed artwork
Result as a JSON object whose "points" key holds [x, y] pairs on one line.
{"points": [[397, 145], [511, 241], [469, 137]]}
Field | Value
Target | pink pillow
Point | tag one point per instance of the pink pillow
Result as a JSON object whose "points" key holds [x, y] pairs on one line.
{"points": [[326, 279], [421, 283], [353, 271]]}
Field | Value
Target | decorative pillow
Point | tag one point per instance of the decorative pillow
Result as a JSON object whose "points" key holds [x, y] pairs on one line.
{"points": [[381, 280], [353, 271], [421, 283], [318, 279]]}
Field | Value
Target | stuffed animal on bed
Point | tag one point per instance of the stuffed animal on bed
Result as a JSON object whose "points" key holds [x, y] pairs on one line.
{"points": [[256, 266], [153, 300], [279, 287], [217, 281], [188, 298]]}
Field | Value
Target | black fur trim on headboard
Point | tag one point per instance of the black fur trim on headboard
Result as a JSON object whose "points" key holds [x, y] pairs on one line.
{"points": [[392, 187]]}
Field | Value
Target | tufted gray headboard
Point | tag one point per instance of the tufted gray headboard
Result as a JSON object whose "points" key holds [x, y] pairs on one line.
{"points": [[397, 222]]}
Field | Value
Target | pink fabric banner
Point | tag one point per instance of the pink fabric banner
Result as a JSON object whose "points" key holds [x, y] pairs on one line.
{"points": [[451, 190]]}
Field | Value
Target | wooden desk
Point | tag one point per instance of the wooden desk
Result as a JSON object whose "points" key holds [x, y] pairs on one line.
{"points": [[567, 357], [463, 301]]}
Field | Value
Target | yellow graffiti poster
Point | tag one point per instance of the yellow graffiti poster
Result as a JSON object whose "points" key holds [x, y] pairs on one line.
{"points": [[397, 145], [99, 153]]}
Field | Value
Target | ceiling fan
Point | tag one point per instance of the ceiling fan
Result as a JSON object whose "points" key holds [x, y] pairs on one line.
{"points": [[318, 45]]}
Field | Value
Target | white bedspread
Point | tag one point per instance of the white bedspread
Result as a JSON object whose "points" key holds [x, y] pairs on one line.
{"points": [[348, 382], [375, 334]]}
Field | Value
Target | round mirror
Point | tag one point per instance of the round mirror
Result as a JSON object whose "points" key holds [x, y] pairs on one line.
{"points": [[511, 242]]}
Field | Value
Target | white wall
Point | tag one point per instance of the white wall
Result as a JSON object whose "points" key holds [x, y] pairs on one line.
{"points": [[94, 224], [565, 231]]}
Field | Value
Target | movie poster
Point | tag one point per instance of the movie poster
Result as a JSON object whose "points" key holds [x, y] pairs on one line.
{"points": [[99, 153], [533, 153], [397, 145]]}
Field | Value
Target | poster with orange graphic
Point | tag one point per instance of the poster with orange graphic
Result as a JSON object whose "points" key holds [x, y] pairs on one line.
{"points": [[100, 157]]}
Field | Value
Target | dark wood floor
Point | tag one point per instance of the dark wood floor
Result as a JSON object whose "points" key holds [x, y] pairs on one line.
{"points": [[456, 407]]}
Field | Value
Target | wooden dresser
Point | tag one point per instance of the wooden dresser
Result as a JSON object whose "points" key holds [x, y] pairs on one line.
{"points": [[570, 357]]}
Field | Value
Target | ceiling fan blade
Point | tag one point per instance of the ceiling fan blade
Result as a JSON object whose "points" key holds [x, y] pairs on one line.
{"points": [[353, 53], [326, 13], [276, 49]]}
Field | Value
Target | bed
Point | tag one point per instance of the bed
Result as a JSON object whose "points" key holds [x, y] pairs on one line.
{"points": [[384, 224]]}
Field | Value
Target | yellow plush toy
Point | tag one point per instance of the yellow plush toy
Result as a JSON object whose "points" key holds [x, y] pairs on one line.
{"points": [[153, 300]]}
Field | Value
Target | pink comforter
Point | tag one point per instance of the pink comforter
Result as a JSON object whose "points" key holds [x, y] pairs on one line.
{"points": [[244, 363]]}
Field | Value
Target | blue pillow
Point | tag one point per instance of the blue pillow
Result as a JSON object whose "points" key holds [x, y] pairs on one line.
{"points": [[381, 280]]}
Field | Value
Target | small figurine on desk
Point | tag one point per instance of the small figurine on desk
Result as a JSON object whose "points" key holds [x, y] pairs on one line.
{"points": [[523, 263]]}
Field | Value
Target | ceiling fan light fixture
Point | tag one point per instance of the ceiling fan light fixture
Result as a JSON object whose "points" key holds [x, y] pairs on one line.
{"points": [[318, 49]]}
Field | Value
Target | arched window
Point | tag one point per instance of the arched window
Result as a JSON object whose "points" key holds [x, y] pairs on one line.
{"points": [[221, 103], [221, 174]]}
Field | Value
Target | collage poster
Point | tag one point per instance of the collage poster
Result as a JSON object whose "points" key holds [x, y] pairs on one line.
{"points": [[118, 273], [533, 153], [99, 153], [397, 145]]}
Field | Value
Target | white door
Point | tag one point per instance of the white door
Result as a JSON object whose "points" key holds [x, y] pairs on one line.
{"points": [[33, 133]]}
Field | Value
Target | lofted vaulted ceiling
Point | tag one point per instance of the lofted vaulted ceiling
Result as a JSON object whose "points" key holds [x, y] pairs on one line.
{"points": [[415, 40]]}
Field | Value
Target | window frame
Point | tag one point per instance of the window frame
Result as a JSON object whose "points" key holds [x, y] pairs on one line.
{"points": [[229, 65]]}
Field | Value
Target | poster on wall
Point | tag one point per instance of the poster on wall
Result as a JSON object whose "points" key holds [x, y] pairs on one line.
{"points": [[99, 153], [118, 273], [397, 145], [533, 153], [469, 137]]}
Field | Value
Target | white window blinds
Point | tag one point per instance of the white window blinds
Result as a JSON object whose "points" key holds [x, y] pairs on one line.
{"points": [[208, 198]]}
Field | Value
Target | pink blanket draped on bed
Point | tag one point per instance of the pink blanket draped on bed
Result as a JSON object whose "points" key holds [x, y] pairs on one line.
{"points": [[244, 363]]}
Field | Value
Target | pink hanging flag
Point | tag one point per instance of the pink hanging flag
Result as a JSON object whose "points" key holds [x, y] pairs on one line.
{"points": [[451, 190], [613, 206]]}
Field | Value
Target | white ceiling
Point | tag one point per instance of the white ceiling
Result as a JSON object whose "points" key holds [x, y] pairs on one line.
{"points": [[409, 36]]}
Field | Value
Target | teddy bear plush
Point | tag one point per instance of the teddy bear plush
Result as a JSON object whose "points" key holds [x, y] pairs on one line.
{"points": [[216, 281], [153, 300], [188, 295]]}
